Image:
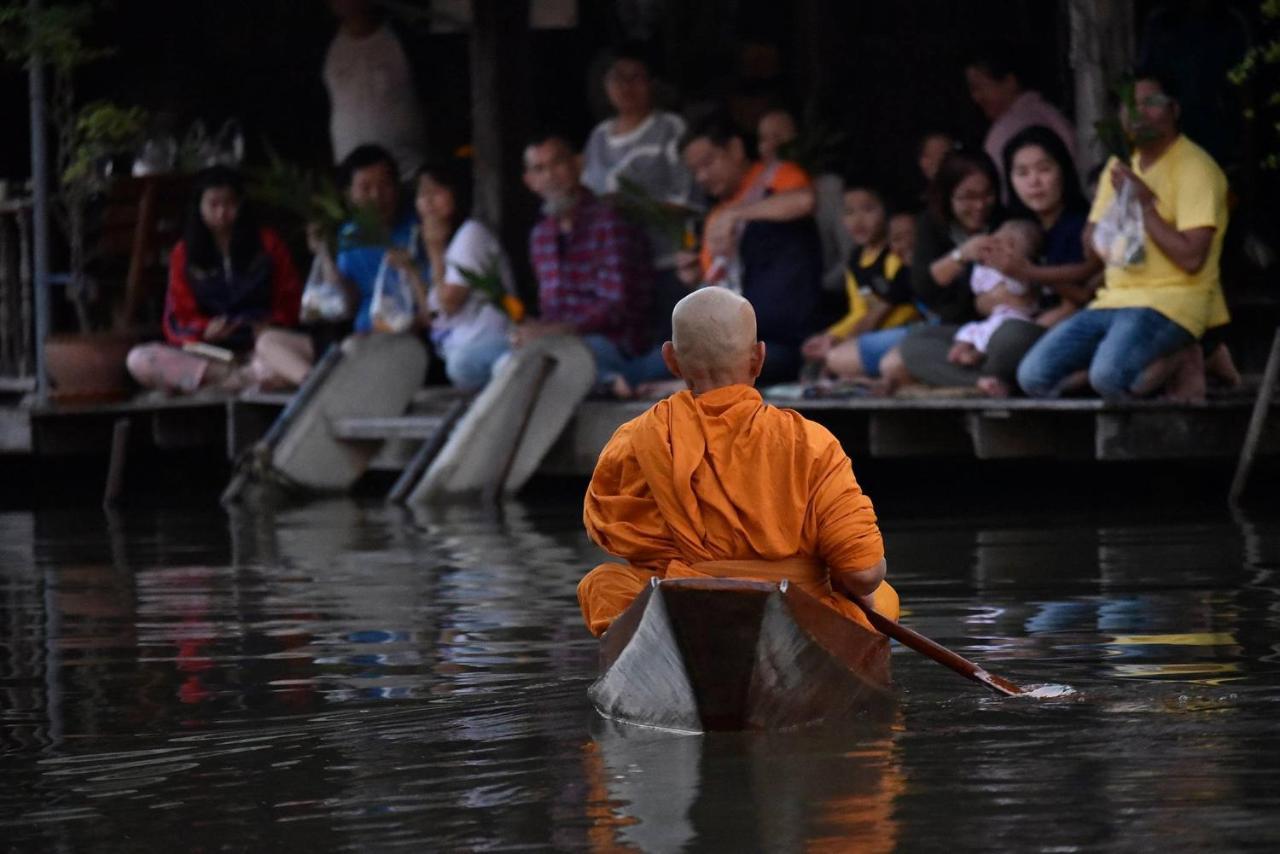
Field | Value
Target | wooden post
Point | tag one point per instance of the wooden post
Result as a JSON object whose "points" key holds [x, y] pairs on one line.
{"points": [[427, 452], [138, 252], [498, 486], [1102, 49], [115, 468], [499, 110], [40, 206], [1261, 408]]}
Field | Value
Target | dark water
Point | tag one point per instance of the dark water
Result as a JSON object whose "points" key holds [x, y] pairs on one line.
{"points": [[348, 676]]}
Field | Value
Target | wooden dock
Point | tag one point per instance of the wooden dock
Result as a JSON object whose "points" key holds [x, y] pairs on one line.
{"points": [[981, 428], [1086, 430]]}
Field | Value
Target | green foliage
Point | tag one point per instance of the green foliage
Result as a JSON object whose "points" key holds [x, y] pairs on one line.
{"points": [[487, 281], [55, 33], [1113, 135], [635, 203], [1258, 77], [100, 129], [313, 198]]}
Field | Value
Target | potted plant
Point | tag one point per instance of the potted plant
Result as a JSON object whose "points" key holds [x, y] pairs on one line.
{"points": [[87, 138]]}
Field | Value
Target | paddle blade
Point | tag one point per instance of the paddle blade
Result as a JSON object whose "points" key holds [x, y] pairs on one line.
{"points": [[996, 683], [936, 651]]}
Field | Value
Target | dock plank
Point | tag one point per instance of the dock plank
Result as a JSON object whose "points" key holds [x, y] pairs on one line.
{"points": [[380, 429]]}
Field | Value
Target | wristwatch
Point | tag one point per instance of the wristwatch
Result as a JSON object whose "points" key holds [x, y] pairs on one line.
{"points": [[957, 256]]}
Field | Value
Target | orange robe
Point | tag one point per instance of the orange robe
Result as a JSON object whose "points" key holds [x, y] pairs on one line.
{"points": [[724, 484]]}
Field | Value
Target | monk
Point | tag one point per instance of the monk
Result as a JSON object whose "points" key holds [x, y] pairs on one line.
{"points": [[713, 481]]}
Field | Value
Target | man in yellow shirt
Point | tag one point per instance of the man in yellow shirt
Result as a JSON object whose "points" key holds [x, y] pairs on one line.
{"points": [[1146, 318]]}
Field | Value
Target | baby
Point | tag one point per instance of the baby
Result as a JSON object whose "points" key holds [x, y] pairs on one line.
{"points": [[1020, 237]]}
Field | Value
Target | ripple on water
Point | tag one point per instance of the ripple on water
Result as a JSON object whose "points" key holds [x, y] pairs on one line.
{"points": [[345, 676]]}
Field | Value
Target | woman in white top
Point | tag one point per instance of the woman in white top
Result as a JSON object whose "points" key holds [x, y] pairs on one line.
{"points": [[463, 278]]}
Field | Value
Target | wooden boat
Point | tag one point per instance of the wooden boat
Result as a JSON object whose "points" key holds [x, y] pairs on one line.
{"points": [[512, 424], [369, 376], [697, 654]]}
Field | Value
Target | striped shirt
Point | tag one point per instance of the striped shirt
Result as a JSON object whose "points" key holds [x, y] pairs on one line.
{"points": [[597, 277]]}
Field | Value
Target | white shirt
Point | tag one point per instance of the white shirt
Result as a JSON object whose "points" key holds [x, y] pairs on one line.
{"points": [[648, 156], [475, 249], [372, 98]]}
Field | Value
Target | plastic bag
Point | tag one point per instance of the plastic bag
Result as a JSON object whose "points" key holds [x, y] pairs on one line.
{"points": [[323, 299], [157, 156], [1119, 236], [227, 148], [392, 307]]}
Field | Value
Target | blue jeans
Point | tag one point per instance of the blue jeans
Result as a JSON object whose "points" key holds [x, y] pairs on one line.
{"points": [[1115, 344], [471, 365], [611, 362], [872, 346]]}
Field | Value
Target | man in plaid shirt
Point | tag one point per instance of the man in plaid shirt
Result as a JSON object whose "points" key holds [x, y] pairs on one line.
{"points": [[593, 267]]}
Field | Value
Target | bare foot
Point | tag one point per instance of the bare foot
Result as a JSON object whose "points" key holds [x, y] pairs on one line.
{"points": [[962, 353], [876, 387], [1221, 367], [1187, 384], [621, 389], [992, 387]]}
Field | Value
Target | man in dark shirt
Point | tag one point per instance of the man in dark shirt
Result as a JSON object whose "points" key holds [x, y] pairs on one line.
{"points": [[760, 239]]}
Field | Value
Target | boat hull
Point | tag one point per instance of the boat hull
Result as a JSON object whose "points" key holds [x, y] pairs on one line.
{"points": [[730, 654]]}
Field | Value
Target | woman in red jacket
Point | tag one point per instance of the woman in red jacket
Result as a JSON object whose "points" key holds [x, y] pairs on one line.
{"points": [[229, 281]]}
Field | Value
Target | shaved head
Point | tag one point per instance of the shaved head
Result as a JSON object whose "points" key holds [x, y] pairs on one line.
{"points": [[713, 339]]}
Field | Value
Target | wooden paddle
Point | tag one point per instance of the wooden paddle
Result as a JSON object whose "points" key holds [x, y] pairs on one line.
{"points": [[936, 651]]}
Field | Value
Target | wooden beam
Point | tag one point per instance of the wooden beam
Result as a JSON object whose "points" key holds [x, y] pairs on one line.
{"points": [[499, 113], [1102, 48]]}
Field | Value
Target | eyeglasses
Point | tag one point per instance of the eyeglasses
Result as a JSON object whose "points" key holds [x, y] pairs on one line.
{"points": [[1155, 102], [972, 198], [627, 77]]}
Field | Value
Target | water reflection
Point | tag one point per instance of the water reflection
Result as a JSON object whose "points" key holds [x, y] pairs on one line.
{"points": [[773, 792], [348, 675]]}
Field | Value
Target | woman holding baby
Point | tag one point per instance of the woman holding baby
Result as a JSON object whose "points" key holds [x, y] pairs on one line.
{"points": [[1020, 280]]}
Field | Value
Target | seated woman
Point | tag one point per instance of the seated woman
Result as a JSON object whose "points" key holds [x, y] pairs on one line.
{"points": [[878, 286], [950, 235], [1044, 187], [229, 282], [468, 307]]}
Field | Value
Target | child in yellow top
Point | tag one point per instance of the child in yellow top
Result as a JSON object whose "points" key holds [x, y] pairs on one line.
{"points": [[878, 284]]}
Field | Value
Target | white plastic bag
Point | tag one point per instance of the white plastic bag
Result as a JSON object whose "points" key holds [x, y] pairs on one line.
{"points": [[392, 307], [323, 299], [1119, 236]]}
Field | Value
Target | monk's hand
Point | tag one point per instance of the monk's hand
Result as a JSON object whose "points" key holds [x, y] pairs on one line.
{"points": [[861, 583]]}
